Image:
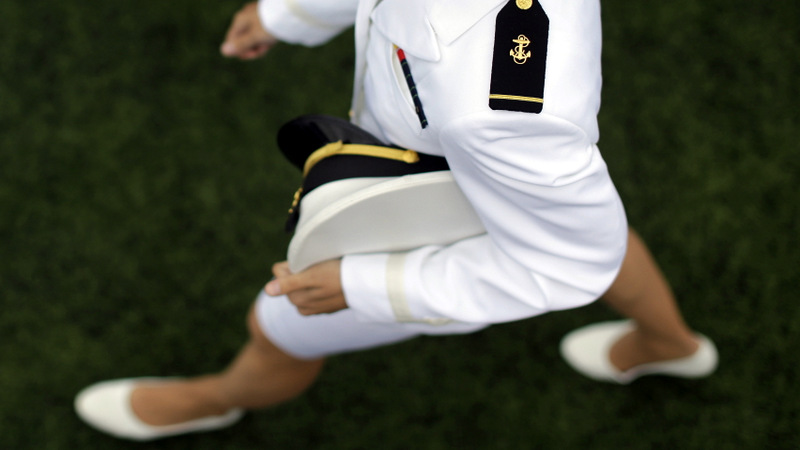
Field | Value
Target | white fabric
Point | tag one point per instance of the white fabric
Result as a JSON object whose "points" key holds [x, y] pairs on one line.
{"points": [[311, 337], [556, 227], [298, 22], [364, 215]]}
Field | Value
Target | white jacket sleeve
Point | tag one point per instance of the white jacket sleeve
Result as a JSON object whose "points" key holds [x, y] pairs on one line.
{"points": [[556, 230], [307, 22]]}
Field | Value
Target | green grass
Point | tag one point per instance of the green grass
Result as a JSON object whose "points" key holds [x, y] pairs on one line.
{"points": [[142, 202]]}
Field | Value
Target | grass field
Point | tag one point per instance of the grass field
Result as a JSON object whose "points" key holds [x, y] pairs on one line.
{"points": [[142, 202]]}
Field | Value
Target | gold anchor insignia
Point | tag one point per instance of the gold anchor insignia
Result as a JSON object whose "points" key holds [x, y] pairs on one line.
{"points": [[518, 53]]}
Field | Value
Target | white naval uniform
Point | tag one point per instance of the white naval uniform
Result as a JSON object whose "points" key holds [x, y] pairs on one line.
{"points": [[556, 229]]}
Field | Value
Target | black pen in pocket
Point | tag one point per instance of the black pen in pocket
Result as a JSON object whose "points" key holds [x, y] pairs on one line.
{"points": [[412, 86]]}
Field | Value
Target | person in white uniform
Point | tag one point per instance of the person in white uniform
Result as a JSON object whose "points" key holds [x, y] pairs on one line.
{"points": [[508, 92]]}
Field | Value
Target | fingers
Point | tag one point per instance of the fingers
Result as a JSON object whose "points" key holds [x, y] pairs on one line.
{"points": [[288, 283], [316, 290], [319, 308], [281, 269], [246, 38], [280, 284], [308, 303]]}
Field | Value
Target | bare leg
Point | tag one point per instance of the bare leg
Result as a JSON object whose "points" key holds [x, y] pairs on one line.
{"points": [[261, 375], [642, 293]]}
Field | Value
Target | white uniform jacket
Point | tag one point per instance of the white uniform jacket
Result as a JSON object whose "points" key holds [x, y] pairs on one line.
{"points": [[556, 229]]}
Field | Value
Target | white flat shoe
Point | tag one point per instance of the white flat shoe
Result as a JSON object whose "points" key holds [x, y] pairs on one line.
{"points": [[587, 351], [107, 407]]}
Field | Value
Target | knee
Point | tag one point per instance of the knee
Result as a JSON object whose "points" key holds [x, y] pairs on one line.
{"points": [[256, 334], [264, 345]]}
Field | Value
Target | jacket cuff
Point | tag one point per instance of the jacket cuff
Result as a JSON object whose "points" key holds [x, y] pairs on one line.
{"points": [[364, 284], [379, 288]]}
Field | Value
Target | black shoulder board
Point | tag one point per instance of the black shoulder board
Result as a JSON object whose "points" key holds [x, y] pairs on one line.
{"points": [[520, 54]]}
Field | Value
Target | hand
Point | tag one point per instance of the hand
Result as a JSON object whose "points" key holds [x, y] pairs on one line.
{"points": [[246, 38], [316, 290]]}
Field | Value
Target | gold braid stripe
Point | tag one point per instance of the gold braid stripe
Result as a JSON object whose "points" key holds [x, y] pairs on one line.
{"points": [[516, 97], [339, 148]]}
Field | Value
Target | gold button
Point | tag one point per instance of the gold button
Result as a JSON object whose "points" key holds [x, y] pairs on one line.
{"points": [[524, 4]]}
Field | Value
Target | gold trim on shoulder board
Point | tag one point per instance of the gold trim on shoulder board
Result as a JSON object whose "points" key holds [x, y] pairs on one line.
{"points": [[518, 98]]}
